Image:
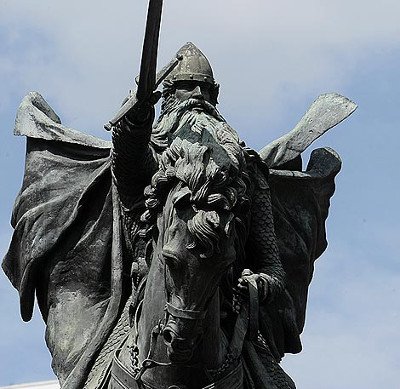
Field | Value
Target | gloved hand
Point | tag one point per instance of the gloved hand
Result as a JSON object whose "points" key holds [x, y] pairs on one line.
{"points": [[262, 280], [144, 111]]}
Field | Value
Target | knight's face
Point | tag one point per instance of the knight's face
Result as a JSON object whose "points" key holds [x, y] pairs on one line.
{"points": [[185, 90]]}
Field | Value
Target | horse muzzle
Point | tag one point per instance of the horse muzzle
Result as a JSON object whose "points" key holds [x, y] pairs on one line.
{"points": [[179, 349], [182, 331]]}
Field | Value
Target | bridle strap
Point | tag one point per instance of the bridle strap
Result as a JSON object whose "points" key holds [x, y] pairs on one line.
{"points": [[188, 314], [252, 332], [246, 322]]}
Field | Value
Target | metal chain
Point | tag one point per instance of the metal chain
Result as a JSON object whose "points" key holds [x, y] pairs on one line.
{"points": [[229, 360], [134, 356]]}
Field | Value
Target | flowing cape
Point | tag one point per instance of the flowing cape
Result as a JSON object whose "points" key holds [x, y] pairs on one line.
{"points": [[300, 203], [67, 243]]}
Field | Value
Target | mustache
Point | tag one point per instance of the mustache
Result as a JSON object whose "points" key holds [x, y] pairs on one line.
{"points": [[179, 108], [197, 103]]}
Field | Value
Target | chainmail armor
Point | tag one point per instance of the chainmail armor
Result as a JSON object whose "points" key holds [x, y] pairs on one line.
{"points": [[262, 249], [133, 161]]}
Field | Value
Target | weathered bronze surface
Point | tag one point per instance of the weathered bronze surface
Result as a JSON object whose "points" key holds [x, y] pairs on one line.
{"points": [[173, 256]]}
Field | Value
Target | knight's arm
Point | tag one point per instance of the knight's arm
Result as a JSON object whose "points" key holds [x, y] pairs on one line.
{"points": [[133, 161], [262, 243]]}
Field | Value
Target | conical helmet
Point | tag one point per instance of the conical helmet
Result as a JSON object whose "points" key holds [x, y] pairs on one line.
{"points": [[193, 66]]}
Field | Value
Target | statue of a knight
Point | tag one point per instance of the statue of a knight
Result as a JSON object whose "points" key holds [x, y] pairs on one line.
{"points": [[189, 111], [87, 269]]}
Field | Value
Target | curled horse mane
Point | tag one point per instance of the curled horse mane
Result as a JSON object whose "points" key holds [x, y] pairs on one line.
{"points": [[217, 189]]}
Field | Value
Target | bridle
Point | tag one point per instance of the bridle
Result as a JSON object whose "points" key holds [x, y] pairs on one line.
{"points": [[169, 310], [186, 314]]}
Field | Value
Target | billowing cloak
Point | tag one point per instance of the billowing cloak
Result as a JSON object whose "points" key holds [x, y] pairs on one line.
{"points": [[66, 246], [67, 243], [300, 202]]}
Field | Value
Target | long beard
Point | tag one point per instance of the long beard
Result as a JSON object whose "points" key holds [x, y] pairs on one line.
{"points": [[201, 118], [197, 114]]}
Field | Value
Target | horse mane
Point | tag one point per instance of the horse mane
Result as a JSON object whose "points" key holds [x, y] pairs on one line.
{"points": [[217, 187]]}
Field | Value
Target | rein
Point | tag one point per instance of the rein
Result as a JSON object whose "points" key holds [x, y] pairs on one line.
{"points": [[246, 325], [148, 363]]}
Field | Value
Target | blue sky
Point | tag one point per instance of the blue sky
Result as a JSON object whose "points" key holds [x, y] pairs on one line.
{"points": [[272, 60]]}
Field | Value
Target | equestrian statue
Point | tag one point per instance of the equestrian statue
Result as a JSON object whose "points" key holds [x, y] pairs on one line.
{"points": [[173, 256]]}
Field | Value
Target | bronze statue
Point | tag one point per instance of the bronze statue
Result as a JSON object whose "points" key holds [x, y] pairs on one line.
{"points": [[173, 256]]}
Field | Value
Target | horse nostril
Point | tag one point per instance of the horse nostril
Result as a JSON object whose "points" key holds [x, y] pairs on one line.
{"points": [[167, 336]]}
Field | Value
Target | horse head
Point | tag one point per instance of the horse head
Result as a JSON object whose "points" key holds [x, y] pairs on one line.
{"points": [[196, 238], [198, 247]]}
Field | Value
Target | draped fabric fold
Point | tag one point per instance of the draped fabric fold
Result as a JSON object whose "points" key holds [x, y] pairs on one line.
{"points": [[66, 246]]}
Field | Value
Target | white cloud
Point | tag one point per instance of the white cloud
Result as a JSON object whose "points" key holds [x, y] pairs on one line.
{"points": [[265, 54]]}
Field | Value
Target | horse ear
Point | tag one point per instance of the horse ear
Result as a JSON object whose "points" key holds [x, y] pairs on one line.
{"points": [[181, 194]]}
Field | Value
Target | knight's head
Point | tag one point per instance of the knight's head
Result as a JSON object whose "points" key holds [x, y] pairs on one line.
{"points": [[190, 92], [193, 78]]}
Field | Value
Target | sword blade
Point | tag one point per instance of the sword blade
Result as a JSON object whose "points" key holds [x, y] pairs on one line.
{"points": [[147, 75]]}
